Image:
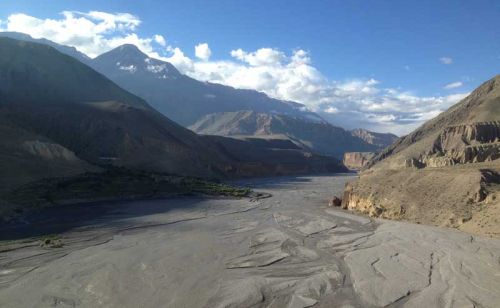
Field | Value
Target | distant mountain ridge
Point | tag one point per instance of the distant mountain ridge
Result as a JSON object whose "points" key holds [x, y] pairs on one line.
{"points": [[320, 137], [381, 140]]}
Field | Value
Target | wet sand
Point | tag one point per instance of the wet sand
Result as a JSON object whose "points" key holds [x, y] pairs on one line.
{"points": [[289, 250]]}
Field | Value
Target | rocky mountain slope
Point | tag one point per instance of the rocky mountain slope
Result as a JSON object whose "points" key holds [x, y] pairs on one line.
{"points": [[59, 117], [381, 140], [320, 136], [447, 172]]}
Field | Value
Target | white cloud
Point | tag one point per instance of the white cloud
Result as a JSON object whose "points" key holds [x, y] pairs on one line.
{"points": [[454, 85], [91, 33], [446, 60], [263, 56], [179, 60], [331, 110], [202, 51], [160, 40], [359, 102]]}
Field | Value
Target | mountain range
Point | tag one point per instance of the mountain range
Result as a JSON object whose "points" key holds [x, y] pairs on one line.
{"points": [[190, 102], [62, 117], [181, 98]]}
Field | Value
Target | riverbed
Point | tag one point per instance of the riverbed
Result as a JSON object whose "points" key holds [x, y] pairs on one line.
{"points": [[288, 250]]}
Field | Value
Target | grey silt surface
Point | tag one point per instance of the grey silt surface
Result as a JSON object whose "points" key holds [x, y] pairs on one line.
{"points": [[289, 250]]}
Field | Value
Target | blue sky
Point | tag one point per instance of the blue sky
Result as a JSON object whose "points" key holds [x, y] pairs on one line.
{"points": [[416, 48]]}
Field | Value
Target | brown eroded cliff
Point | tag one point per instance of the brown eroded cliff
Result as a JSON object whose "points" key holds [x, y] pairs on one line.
{"points": [[357, 160], [445, 173]]}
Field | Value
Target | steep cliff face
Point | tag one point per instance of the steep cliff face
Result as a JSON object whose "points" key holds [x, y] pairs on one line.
{"points": [[357, 160], [479, 132], [469, 143], [444, 173], [461, 144], [441, 196]]}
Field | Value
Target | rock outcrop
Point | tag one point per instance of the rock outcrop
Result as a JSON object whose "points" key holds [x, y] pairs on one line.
{"points": [[357, 160], [335, 201], [462, 144]]}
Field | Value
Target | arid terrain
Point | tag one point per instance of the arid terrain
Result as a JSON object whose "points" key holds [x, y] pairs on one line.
{"points": [[445, 173], [288, 250], [249, 154]]}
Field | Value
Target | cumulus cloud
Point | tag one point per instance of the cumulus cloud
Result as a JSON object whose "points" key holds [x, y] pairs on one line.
{"points": [[91, 33], [359, 102], [160, 40], [454, 85], [263, 56], [202, 51], [446, 60], [179, 60]]}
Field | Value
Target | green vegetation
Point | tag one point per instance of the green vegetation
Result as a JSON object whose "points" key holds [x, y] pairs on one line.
{"points": [[114, 183]]}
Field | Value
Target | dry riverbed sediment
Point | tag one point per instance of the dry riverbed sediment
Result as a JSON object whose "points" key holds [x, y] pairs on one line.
{"points": [[289, 250]]}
